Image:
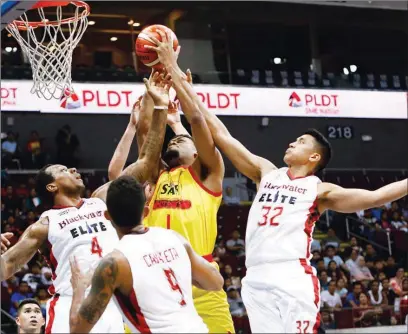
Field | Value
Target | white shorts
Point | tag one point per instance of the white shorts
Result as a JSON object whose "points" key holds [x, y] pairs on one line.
{"points": [[57, 321], [282, 298]]}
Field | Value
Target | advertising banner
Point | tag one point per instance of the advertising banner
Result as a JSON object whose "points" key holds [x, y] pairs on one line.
{"points": [[111, 98]]}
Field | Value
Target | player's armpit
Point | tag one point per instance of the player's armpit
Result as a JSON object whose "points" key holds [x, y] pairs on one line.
{"points": [[344, 200], [84, 314], [22, 252]]}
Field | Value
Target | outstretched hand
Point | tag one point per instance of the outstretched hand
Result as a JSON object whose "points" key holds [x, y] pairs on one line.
{"points": [[158, 87], [173, 116], [4, 241], [165, 52]]}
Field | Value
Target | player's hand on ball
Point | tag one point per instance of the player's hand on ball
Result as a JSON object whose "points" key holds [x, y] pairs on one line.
{"points": [[165, 52], [79, 280], [158, 90], [4, 241]]}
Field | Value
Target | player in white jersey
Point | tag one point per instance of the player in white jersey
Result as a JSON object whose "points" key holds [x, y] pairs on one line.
{"points": [[76, 226], [281, 290], [149, 274]]}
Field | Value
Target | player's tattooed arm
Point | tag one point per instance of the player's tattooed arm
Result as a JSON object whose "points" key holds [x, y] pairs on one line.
{"points": [[146, 168], [334, 197], [22, 252], [84, 314]]}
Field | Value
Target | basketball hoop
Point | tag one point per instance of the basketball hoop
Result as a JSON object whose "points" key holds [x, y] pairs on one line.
{"points": [[49, 45]]}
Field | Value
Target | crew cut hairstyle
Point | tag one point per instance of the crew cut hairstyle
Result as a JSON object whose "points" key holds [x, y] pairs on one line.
{"points": [[324, 148], [125, 201], [25, 302], [44, 178], [182, 136]]}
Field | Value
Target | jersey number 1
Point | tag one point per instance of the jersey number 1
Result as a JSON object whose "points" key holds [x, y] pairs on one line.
{"points": [[171, 277], [95, 248]]}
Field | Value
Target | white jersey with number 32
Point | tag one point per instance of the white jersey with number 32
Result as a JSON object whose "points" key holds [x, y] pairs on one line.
{"points": [[281, 219], [161, 300], [81, 231]]}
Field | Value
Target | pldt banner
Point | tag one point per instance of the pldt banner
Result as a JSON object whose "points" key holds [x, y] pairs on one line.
{"points": [[114, 98]]}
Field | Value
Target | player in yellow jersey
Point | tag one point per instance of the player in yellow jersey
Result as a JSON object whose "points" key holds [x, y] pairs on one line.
{"points": [[187, 192]]}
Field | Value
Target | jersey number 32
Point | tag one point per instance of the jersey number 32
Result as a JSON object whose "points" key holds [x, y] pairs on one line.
{"points": [[270, 214]]}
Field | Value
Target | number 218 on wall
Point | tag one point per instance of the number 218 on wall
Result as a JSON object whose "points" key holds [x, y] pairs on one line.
{"points": [[340, 132]]}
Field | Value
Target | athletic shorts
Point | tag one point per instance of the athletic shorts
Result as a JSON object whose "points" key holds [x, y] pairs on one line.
{"points": [[58, 308], [282, 298]]}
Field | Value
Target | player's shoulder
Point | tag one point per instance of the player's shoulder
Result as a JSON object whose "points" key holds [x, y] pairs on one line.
{"points": [[94, 201]]}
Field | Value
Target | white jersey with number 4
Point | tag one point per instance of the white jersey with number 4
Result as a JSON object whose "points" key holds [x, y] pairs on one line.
{"points": [[81, 231], [281, 219], [161, 300]]}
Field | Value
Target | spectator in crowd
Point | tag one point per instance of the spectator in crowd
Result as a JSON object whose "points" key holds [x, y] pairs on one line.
{"points": [[331, 239], [35, 151], [11, 201], [315, 257], [32, 202], [46, 276], [378, 268], [352, 299], [29, 317], [398, 223], [42, 297], [235, 302], [365, 315], [330, 299], [370, 253], [331, 256], [387, 293], [320, 266], [353, 245], [324, 280], [341, 288], [236, 245], [229, 199], [220, 250], [33, 277], [376, 297], [326, 320], [315, 246], [18, 296], [396, 283], [67, 146], [391, 267], [9, 150], [351, 263], [361, 273], [385, 221]]}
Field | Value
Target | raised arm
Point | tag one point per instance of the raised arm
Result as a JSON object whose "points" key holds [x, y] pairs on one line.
{"points": [[344, 200], [208, 154], [146, 168], [121, 154], [108, 276], [22, 252]]}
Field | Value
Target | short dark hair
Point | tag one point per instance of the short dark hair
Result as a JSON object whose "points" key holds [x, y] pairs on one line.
{"points": [[125, 201], [183, 136], [324, 147], [27, 301], [44, 178]]}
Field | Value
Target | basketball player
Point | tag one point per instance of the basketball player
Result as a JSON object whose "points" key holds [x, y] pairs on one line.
{"points": [[29, 316], [187, 195], [281, 290], [76, 226], [150, 273]]}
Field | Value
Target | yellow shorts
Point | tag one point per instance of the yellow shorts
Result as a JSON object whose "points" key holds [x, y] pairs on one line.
{"points": [[213, 308]]}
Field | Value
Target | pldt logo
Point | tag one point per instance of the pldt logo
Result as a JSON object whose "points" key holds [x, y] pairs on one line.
{"points": [[70, 101], [295, 101]]}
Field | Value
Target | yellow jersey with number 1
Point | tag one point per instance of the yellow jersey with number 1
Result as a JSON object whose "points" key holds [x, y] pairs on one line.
{"points": [[181, 202]]}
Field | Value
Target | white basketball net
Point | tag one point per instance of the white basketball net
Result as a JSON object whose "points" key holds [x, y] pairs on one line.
{"points": [[49, 48]]}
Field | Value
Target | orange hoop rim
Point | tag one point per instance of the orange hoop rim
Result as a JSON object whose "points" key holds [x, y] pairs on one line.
{"points": [[21, 25]]}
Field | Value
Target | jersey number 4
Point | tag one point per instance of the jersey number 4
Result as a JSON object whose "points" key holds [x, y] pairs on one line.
{"points": [[174, 285], [270, 214], [95, 248]]}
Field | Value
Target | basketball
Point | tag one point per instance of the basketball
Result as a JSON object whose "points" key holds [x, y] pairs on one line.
{"points": [[149, 57]]}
